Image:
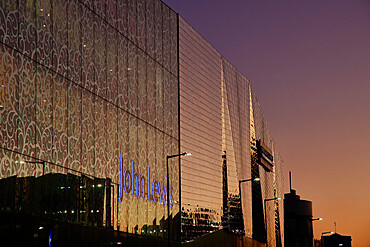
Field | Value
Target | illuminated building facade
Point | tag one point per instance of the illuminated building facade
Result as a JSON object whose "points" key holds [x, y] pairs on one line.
{"points": [[222, 125], [82, 83], [94, 95]]}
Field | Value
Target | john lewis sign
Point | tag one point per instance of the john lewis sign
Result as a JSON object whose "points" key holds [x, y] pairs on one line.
{"points": [[139, 185]]}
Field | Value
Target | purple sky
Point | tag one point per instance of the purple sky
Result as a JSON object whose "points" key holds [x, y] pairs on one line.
{"points": [[309, 64]]}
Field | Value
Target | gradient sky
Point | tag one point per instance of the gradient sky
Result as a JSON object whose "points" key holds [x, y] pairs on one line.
{"points": [[309, 64]]}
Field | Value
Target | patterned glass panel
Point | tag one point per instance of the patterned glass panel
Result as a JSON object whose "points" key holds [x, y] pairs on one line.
{"points": [[74, 103], [122, 17], [159, 96], [100, 38], [60, 120], [132, 20], [141, 22], [151, 90], [133, 156], [9, 98], [88, 66], [173, 42], [88, 133], [112, 69], [150, 42], [158, 31], [123, 147], [112, 153], [151, 156], [142, 86], [99, 8], [160, 173], [74, 41], [60, 51], [45, 39], [44, 110], [89, 4], [141, 168], [27, 28], [112, 12], [132, 78], [123, 70], [166, 36], [27, 106], [100, 137], [9, 19], [9, 166], [167, 108]]}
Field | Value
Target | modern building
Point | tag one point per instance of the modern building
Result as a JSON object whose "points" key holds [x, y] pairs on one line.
{"points": [[336, 239], [222, 125], [95, 97], [298, 220]]}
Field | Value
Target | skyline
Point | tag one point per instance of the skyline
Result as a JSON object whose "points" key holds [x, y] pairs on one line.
{"points": [[309, 65]]}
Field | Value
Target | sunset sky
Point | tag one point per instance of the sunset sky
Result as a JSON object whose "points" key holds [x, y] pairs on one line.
{"points": [[309, 64]]}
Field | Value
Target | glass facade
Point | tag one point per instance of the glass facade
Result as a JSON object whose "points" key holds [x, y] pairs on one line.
{"points": [[94, 95], [221, 122], [89, 111], [200, 134]]}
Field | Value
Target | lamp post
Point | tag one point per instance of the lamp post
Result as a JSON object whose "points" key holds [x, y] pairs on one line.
{"points": [[168, 191], [34, 162], [316, 219], [242, 181], [322, 234], [246, 180], [311, 225], [264, 201]]}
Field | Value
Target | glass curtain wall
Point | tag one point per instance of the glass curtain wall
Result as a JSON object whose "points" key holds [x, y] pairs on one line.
{"points": [[221, 123], [89, 89]]}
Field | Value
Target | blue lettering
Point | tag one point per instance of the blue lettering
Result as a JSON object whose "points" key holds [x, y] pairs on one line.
{"points": [[154, 190], [162, 193], [120, 179], [137, 185], [171, 201], [132, 177], [141, 185], [148, 183], [134, 183], [129, 182]]}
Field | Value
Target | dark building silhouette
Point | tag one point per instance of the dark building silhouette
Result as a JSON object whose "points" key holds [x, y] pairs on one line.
{"points": [[55, 196], [298, 220], [336, 240]]}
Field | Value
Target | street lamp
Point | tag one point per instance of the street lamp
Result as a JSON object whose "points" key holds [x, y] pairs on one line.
{"points": [[34, 162], [326, 233], [264, 201], [240, 191], [245, 180], [168, 191], [316, 219], [322, 234], [311, 225]]}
